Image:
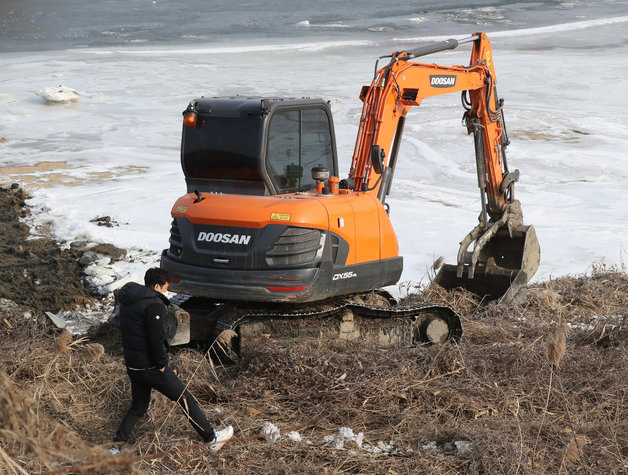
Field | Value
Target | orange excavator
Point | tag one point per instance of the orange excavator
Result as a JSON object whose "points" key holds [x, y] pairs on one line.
{"points": [[269, 239]]}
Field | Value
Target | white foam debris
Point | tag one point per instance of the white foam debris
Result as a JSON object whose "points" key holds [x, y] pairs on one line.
{"points": [[344, 435], [7, 303], [58, 321], [59, 94], [430, 445], [379, 448], [465, 448], [580, 326], [271, 432], [294, 436], [80, 320], [337, 443]]}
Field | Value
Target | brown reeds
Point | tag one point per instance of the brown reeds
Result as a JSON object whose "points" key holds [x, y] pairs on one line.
{"points": [[574, 451], [93, 351], [62, 342], [488, 394], [557, 345]]}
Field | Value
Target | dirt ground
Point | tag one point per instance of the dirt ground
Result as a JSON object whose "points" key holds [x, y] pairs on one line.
{"points": [[540, 388], [36, 272]]}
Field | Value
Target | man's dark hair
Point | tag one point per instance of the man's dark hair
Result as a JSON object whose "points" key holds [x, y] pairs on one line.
{"points": [[155, 276]]}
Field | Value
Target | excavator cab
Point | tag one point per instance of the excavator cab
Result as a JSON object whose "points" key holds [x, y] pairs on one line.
{"points": [[256, 146]]}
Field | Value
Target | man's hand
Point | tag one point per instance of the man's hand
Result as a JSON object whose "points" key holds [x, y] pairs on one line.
{"points": [[162, 369]]}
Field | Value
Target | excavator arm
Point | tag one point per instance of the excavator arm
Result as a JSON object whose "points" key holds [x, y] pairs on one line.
{"points": [[506, 252]]}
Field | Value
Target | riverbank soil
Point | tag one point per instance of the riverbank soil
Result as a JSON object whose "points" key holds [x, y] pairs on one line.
{"points": [[35, 271]]}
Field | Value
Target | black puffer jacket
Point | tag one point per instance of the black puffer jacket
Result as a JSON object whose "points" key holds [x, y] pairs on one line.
{"points": [[144, 324]]}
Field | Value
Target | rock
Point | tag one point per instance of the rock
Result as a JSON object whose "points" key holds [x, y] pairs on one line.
{"points": [[80, 245], [448, 448], [95, 252], [109, 250], [104, 221], [87, 258]]}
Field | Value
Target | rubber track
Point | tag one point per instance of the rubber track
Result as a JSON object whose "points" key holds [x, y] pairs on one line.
{"points": [[230, 322]]}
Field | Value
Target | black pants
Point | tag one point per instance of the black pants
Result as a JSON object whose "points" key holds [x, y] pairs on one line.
{"points": [[168, 384]]}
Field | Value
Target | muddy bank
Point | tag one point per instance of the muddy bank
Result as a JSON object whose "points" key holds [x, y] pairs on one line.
{"points": [[36, 271]]}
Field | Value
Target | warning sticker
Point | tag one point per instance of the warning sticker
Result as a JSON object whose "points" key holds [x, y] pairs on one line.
{"points": [[182, 209], [280, 216]]}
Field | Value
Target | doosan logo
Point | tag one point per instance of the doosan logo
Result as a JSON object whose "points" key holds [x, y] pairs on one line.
{"points": [[225, 238], [442, 80]]}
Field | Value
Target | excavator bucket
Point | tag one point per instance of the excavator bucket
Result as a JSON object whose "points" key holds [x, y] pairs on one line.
{"points": [[500, 266]]}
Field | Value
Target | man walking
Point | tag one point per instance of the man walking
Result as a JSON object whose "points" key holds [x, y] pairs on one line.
{"points": [[143, 323]]}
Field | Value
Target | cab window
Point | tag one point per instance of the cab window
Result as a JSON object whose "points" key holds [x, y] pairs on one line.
{"points": [[298, 140]]}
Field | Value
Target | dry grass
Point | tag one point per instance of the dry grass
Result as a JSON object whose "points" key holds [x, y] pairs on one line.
{"points": [[557, 345], [62, 400]]}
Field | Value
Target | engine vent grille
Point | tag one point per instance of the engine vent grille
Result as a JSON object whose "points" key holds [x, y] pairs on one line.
{"points": [[335, 244], [175, 239], [296, 246]]}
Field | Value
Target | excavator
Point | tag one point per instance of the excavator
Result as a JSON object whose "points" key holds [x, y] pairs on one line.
{"points": [[269, 240]]}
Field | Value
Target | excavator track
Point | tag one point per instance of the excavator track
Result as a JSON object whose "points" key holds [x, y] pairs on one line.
{"points": [[374, 316]]}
